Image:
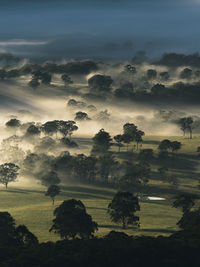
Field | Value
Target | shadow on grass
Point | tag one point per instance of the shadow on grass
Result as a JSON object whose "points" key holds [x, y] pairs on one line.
{"points": [[95, 208], [22, 191], [148, 230], [88, 192], [157, 230], [151, 142]]}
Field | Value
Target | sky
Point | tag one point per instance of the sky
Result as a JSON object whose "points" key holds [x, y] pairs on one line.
{"points": [[98, 29]]}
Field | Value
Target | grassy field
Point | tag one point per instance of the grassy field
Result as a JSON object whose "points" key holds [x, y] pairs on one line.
{"points": [[29, 206], [34, 209]]}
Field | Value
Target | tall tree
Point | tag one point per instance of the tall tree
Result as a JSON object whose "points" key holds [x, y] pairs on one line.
{"points": [[122, 209], [185, 202], [186, 124], [52, 191], [66, 79], [102, 142], [118, 139], [8, 173], [71, 220]]}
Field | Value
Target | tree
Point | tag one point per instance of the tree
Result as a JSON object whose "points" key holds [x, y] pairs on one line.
{"points": [[175, 146], [81, 116], [34, 83], [159, 90], [66, 79], [68, 142], [13, 123], [185, 202], [186, 73], [130, 69], [24, 237], [103, 115], [33, 131], [138, 137], [135, 177], [190, 221], [127, 139], [2, 74], [105, 164], [51, 178], [129, 135], [119, 139], [7, 228], [164, 75], [122, 208], [8, 173], [50, 127], [52, 191], [186, 124], [164, 145], [67, 127], [100, 83], [189, 123], [84, 168], [151, 74], [102, 141], [45, 78], [72, 220]]}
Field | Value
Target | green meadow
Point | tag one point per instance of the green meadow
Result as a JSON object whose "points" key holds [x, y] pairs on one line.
{"points": [[29, 205]]}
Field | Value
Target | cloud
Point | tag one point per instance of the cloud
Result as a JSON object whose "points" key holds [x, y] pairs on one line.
{"points": [[22, 43]]}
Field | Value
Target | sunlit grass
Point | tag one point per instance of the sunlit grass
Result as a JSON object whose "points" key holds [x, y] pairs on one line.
{"points": [[29, 205]]}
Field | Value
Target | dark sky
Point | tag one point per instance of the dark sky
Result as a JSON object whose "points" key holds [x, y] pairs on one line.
{"points": [[98, 28]]}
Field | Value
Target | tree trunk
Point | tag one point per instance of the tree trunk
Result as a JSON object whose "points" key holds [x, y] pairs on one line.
{"points": [[6, 185], [123, 224], [190, 133], [52, 201]]}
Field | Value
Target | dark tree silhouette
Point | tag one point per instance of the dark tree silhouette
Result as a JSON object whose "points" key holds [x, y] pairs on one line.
{"points": [[7, 228], [34, 83], [135, 177], [81, 116], [185, 202], [100, 83], [13, 123], [164, 76], [119, 139], [24, 237], [66, 79], [52, 191], [72, 220], [190, 221], [186, 124], [122, 209], [51, 178], [186, 73], [8, 173], [102, 141], [151, 74], [33, 130], [164, 145], [175, 146]]}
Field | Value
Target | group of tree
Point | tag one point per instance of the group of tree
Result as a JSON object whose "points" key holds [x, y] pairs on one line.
{"points": [[131, 134], [186, 124], [167, 145], [49, 128]]}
